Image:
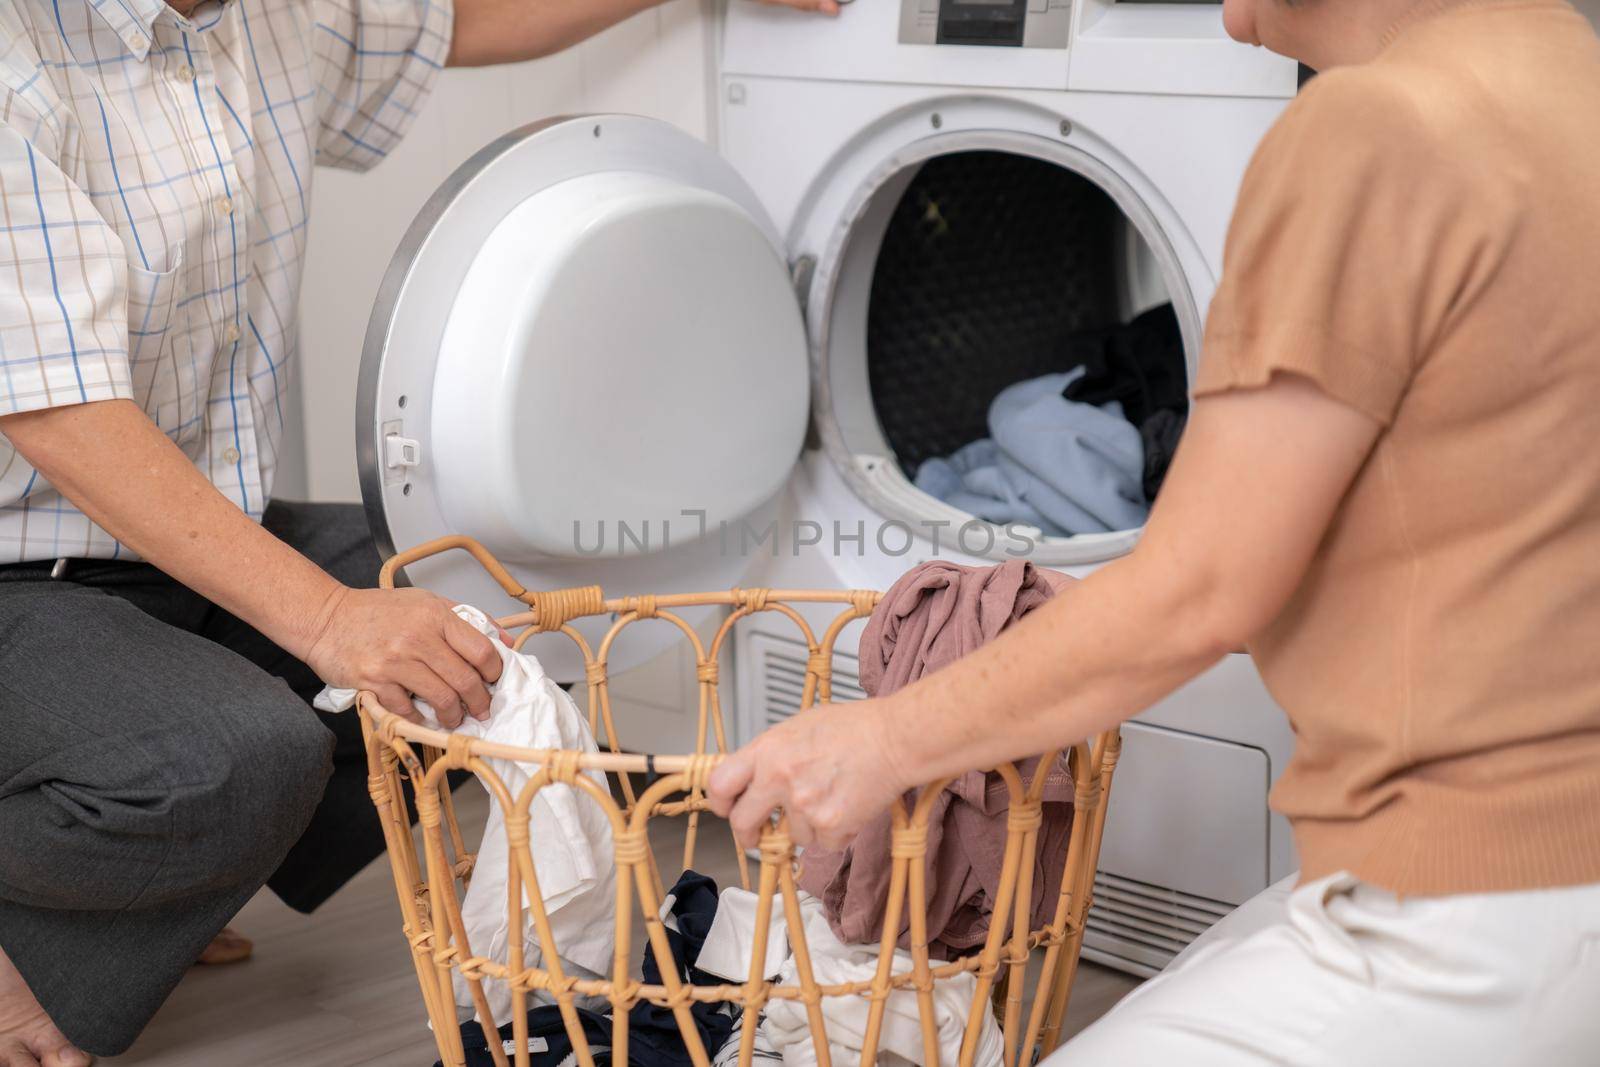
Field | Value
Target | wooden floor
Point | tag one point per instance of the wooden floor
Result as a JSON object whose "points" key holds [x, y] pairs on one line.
{"points": [[338, 989]]}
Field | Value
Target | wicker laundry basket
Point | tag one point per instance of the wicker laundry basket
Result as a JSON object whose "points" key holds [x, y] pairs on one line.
{"points": [[430, 888]]}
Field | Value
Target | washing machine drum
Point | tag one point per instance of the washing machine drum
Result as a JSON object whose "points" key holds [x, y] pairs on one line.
{"points": [[588, 356]]}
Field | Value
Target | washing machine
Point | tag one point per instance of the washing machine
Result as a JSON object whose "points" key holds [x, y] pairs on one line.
{"points": [[616, 355]]}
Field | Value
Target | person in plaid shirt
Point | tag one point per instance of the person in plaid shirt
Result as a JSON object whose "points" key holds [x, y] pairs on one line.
{"points": [[159, 761]]}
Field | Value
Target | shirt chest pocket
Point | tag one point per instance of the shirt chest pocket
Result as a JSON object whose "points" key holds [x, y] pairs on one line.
{"points": [[157, 369]]}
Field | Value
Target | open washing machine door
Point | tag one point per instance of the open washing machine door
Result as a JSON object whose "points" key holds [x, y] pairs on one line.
{"points": [[587, 354]]}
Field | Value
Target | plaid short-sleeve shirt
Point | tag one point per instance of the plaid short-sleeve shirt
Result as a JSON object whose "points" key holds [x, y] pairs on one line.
{"points": [[155, 178]]}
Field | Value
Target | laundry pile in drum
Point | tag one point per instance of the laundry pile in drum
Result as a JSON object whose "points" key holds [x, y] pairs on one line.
{"points": [[935, 614], [1083, 451]]}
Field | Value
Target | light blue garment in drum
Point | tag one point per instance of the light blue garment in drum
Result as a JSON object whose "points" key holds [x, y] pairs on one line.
{"points": [[1064, 467]]}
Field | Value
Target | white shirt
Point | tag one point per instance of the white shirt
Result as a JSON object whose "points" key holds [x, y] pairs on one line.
{"points": [[155, 179]]}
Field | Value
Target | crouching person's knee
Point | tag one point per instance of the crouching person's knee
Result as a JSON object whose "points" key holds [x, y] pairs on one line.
{"points": [[301, 762], [272, 763]]}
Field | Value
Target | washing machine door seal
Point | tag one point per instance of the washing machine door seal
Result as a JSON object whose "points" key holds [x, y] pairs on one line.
{"points": [[587, 354]]}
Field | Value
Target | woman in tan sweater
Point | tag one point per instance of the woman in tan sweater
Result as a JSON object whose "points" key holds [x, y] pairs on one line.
{"points": [[1390, 491]]}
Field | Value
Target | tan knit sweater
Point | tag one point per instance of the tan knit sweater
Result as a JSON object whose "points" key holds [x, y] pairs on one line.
{"points": [[1420, 236]]}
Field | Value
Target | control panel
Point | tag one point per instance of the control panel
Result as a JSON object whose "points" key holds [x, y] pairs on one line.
{"points": [[1014, 23]]}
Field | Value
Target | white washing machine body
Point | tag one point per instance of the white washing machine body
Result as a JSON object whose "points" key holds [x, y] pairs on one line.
{"points": [[599, 321], [1155, 107], [1170, 167]]}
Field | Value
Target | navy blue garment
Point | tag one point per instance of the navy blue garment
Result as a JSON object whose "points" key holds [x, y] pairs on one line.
{"points": [[653, 1037], [544, 1025], [1140, 366], [1160, 434]]}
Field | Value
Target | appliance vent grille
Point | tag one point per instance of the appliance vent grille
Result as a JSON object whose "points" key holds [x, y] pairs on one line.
{"points": [[1140, 927], [783, 679]]}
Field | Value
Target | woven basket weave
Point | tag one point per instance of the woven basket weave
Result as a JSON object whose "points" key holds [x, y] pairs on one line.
{"points": [[430, 888]]}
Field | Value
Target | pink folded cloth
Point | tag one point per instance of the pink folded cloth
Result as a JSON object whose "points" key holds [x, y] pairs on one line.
{"points": [[934, 615]]}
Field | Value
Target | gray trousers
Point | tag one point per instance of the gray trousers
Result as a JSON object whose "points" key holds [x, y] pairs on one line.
{"points": [[159, 763]]}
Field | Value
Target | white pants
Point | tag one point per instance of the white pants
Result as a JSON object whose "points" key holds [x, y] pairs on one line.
{"points": [[1340, 973]]}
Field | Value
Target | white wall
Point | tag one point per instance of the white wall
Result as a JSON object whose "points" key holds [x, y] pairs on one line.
{"points": [[654, 64]]}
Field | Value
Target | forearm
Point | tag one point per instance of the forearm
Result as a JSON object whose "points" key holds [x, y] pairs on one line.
{"points": [[1275, 460], [1104, 650], [510, 31], [111, 461]]}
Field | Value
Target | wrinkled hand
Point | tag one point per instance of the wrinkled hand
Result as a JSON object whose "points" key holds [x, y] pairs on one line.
{"points": [[823, 7], [397, 643], [831, 769]]}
